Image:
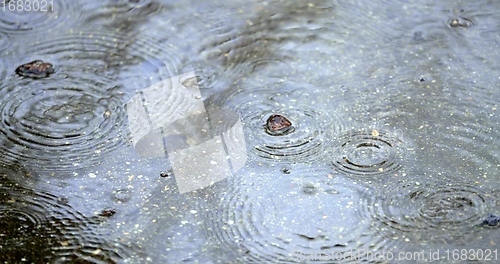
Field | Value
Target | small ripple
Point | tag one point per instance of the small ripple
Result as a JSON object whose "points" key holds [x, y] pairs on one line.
{"points": [[62, 125], [469, 130], [208, 76], [135, 60], [307, 212], [119, 13], [39, 16], [436, 211], [86, 52], [4, 72], [92, 72], [369, 153], [306, 142], [460, 22], [149, 58], [122, 195], [5, 41], [247, 41], [39, 227]]}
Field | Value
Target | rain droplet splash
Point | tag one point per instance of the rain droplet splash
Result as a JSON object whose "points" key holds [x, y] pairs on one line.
{"points": [[285, 220], [368, 153], [449, 212], [59, 126], [460, 22], [74, 117]]}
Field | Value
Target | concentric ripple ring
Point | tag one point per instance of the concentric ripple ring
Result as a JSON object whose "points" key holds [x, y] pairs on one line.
{"points": [[59, 126], [443, 211], [369, 153], [286, 220], [40, 227], [23, 17], [306, 141]]}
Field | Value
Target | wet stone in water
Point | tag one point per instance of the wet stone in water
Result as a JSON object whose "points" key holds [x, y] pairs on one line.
{"points": [[36, 69], [278, 125], [492, 220]]}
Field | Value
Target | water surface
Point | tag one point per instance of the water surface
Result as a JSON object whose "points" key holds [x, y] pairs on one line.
{"points": [[393, 149]]}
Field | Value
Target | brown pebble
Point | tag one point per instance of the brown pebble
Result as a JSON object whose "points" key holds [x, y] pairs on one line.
{"points": [[36, 69], [278, 125]]}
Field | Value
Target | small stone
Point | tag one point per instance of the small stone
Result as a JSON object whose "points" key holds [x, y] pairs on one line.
{"points": [[107, 213], [278, 125], [36, 69], [164, 174], [492, 220]]}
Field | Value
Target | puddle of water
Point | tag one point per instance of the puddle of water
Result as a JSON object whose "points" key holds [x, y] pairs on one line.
{"points": [[40, 226], [391, 147], [312, 127], [66, 121]]}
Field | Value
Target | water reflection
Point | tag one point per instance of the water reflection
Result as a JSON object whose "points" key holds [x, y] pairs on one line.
{"points": [[119, 13]]}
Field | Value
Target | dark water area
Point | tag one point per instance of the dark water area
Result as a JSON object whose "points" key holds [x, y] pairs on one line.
{"points": [[142, 131]]}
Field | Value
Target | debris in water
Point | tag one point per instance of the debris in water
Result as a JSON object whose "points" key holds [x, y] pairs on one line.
{"points": [[164, 174], [107, 213], [492, 220], [36, 69], [278, 125]]}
